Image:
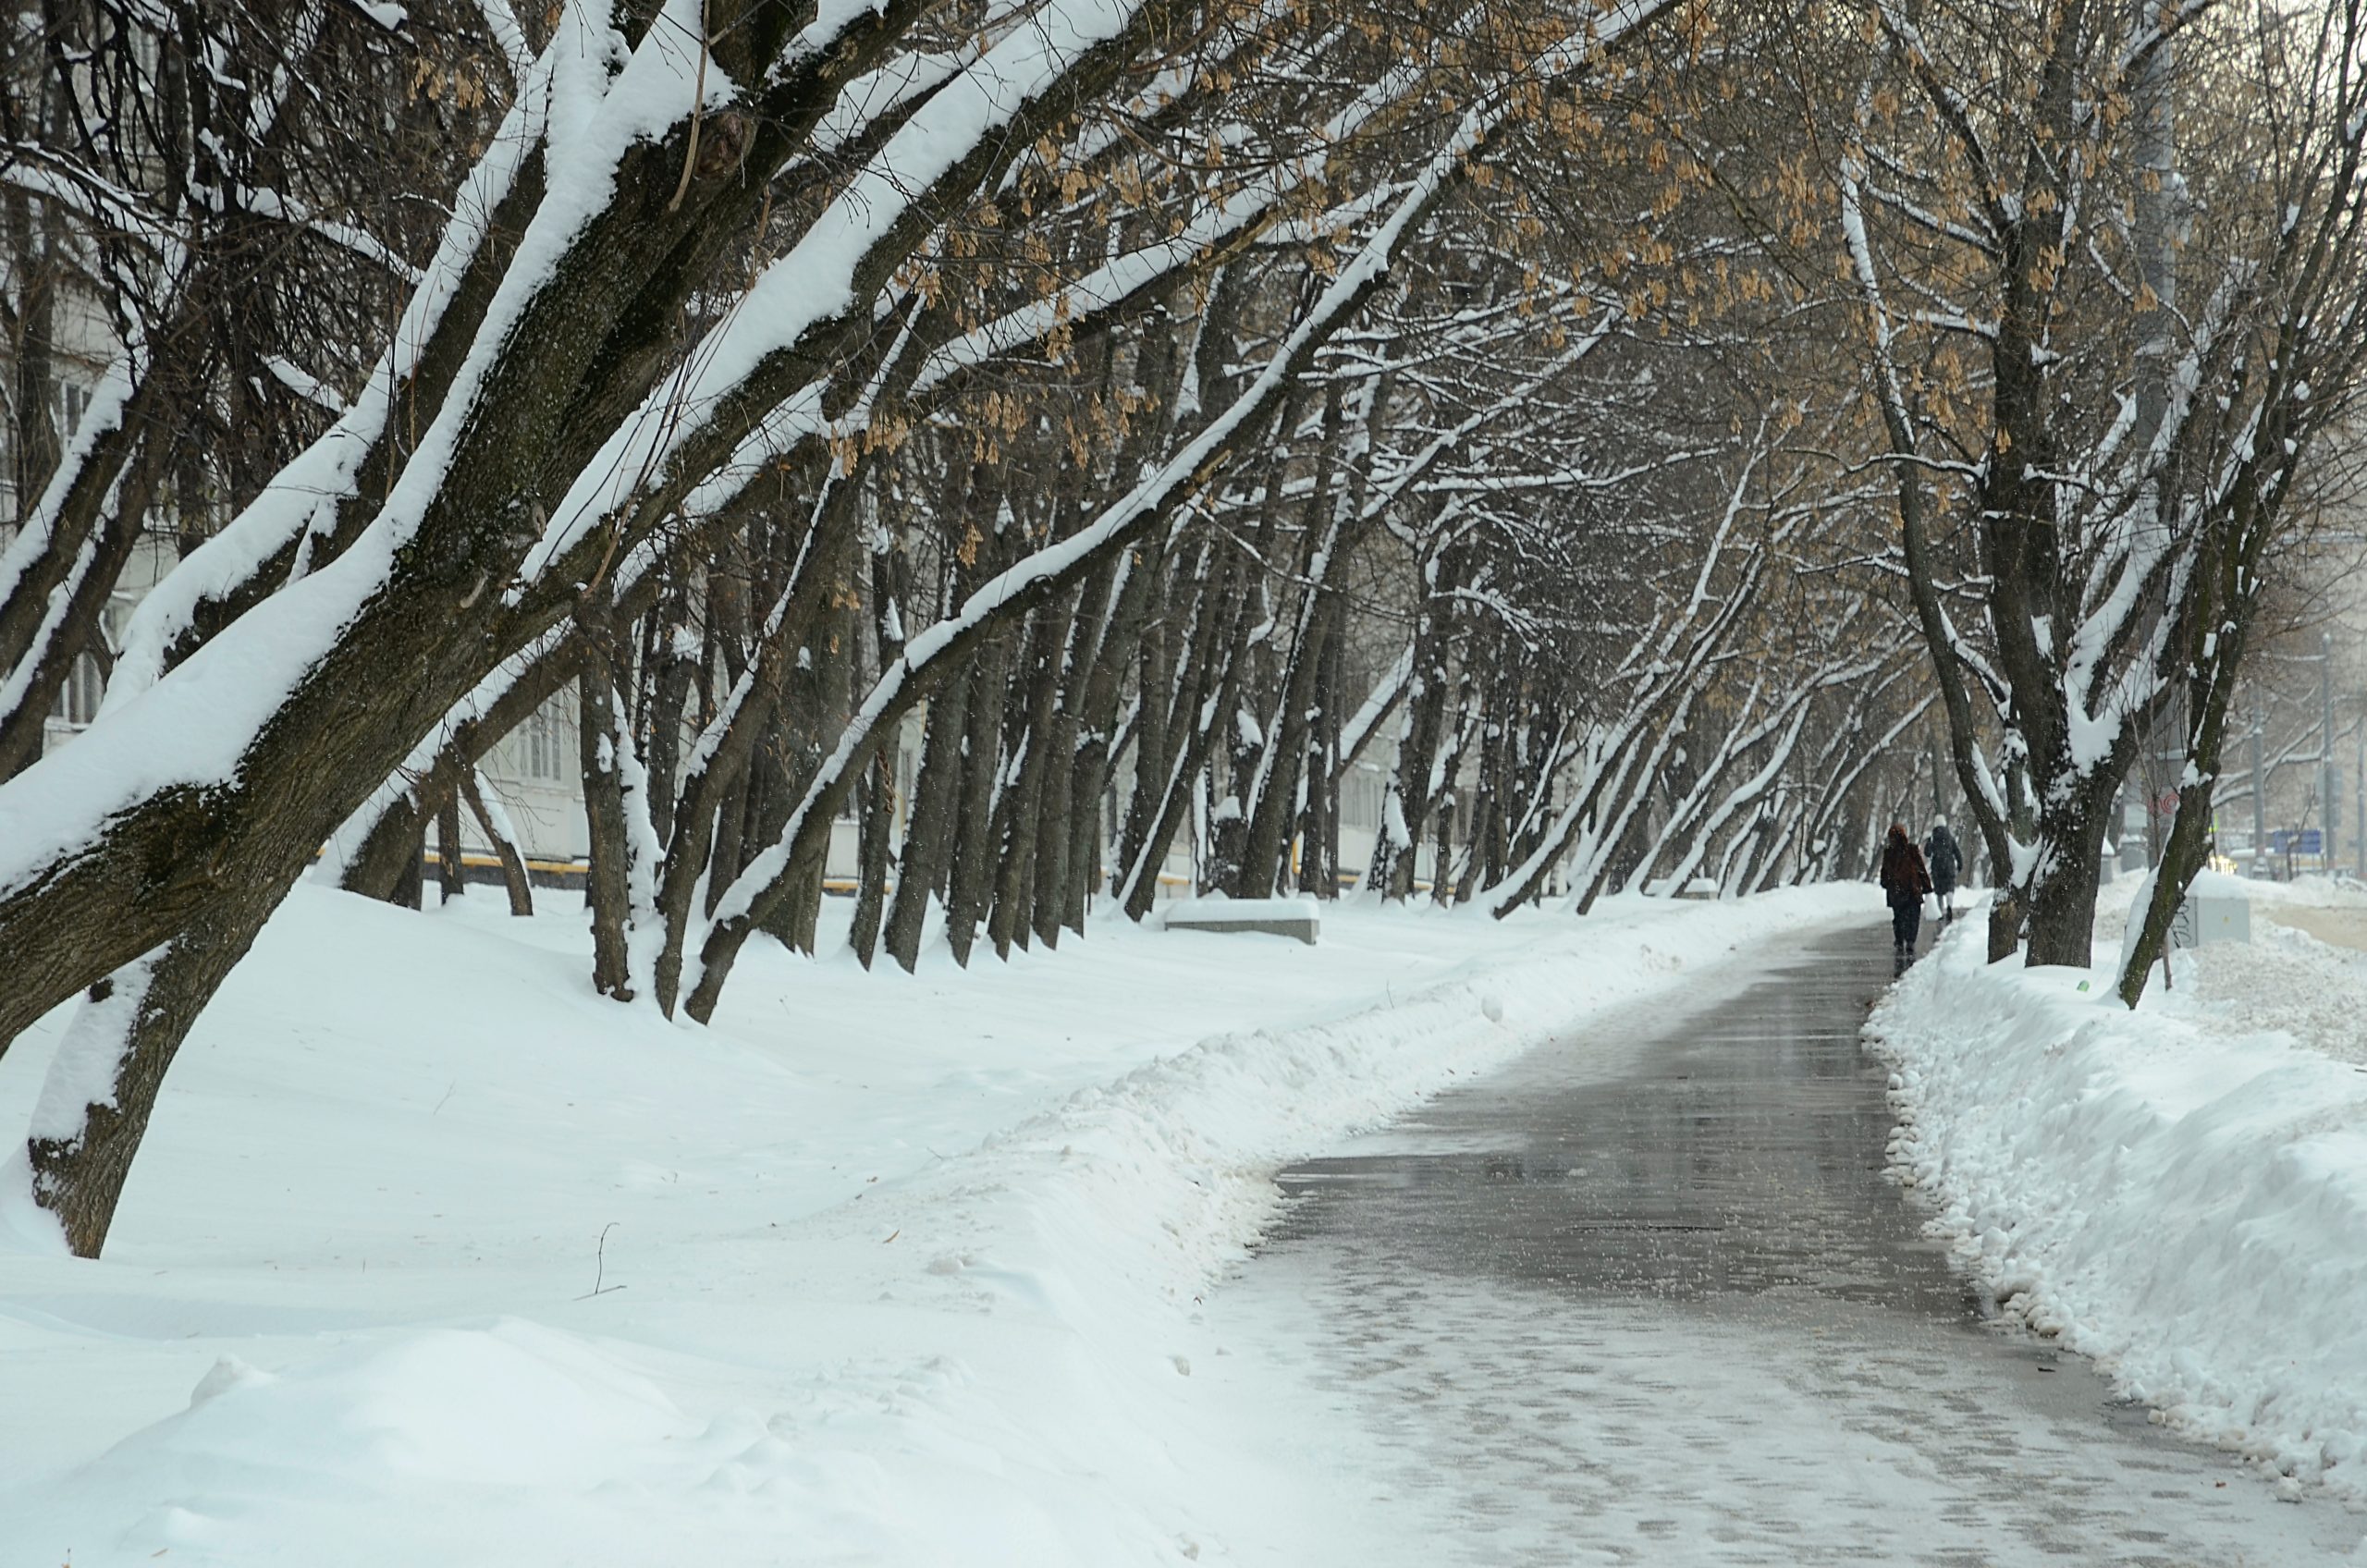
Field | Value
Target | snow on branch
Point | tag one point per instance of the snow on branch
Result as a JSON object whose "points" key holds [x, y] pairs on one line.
{"points": [[819, 280]]}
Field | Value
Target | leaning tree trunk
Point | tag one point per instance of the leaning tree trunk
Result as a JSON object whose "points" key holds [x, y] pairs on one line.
{"points": [[607, 882], [968, 883], [890, 579], [929, 828], [674, 664], [1164, 799], [1070, 869], [451, 875], [1093, 740], [815, 686], [1319, 823], [875, 825], [1010, 918], [1161, 690], [125, 1035], [496, 825], [1396, 845], [410, 873], [1048, 884]]}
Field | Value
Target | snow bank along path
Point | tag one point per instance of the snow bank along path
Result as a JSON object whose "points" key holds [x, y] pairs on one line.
{"points": [[2177, 1196], [890, 1269]]}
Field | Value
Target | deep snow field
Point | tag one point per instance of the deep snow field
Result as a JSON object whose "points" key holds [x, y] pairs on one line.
{"points": [[434, 1256], [2179, 1192]]}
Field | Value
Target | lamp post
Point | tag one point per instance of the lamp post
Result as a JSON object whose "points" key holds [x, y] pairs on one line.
{"points": [[2260, 808], [2329, 813]]}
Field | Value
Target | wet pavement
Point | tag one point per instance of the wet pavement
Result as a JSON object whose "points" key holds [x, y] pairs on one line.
{"points": [[1648, 1296]]}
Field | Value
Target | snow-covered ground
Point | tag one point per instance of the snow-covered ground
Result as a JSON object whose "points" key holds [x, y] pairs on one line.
{"points": [[2178, 1192], [434, 1256], [2286, 978]]}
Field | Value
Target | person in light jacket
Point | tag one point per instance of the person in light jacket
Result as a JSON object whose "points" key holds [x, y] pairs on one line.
{"points": [[1944, 860], [1906, 881]]}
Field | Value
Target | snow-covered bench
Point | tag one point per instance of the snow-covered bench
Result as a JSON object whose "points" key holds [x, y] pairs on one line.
{"points": [[1698, 887], [1301, 918]]}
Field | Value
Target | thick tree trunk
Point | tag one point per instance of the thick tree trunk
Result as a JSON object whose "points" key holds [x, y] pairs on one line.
{"points": [[876, 827], [1482, 856], [1162, 802], [1406, 811], [451, 875], [382, 866], [1265, 858], [410, 871], [2061, 911], [968, 884], [1171, 811], [2058, 902], [607, 882], [1087, 878], [807, 715], [1160, 700], [1048, 882], [768, 801], [1320, 824], [891, 587], [730, 855], [1010, 917], [673, 664], [125, 1036], [929, 828], [1093, 713]]}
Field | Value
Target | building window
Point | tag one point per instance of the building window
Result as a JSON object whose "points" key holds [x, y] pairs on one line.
{"points": [[546, 757], [77, 700], [72, 403]]}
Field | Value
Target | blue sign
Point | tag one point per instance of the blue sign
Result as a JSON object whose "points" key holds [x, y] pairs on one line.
{"points": [[2287, 841]]}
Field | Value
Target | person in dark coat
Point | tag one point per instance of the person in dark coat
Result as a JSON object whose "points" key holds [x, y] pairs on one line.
{"points": [[1906, 880], [1944, 860]]}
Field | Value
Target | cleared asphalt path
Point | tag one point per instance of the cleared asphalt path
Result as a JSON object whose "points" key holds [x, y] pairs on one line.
{"points": [[1651, 1299]]}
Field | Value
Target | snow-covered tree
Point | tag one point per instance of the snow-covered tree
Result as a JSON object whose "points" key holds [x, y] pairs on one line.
{"points": [[2108, 260]]}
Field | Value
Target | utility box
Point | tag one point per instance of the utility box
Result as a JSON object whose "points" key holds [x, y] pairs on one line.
{"points": [[2214, 910]]}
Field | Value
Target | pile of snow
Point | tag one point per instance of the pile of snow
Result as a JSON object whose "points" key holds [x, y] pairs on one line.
{"points": [[2179, 1192], [2282, 980], [434, 1256]]}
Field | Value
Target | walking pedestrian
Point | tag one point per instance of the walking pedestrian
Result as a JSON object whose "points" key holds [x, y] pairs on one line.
{"points": [[1942, 857], [1906, 880]]}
